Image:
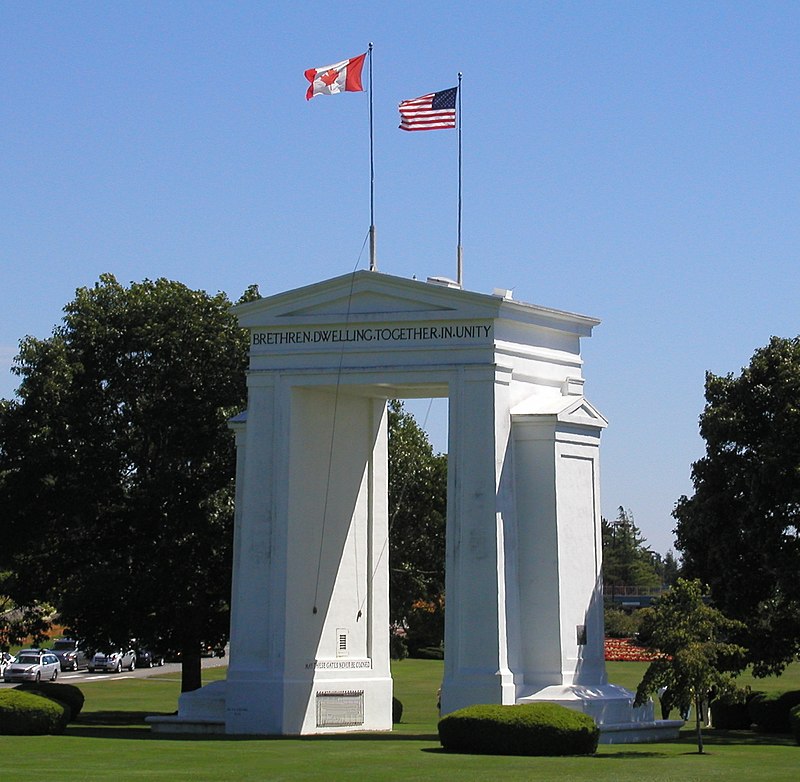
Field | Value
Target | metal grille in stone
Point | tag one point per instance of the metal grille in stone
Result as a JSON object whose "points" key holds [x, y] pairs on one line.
{"points": [[340, 709]]}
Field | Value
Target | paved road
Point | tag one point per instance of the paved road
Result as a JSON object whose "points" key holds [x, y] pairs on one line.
{"points": [[73, 677]]}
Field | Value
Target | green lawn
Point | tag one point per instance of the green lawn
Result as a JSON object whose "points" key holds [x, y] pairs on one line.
{"points": [[110, 742]]}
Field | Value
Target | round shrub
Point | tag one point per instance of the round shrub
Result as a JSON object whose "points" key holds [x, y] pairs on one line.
{"points": [[770, 711], [794, 721], [68, 694], [25, 714], [523, 729], [397, 711]]}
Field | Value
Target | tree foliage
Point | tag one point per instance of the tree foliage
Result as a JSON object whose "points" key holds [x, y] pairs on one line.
{"points": [[417, 517], [697, 656], [116, 466], [17, 624], [740, 531], [627, 560]]}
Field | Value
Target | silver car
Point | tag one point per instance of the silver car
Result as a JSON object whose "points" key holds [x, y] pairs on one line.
{"points": [[113, 661], [32, 665]]}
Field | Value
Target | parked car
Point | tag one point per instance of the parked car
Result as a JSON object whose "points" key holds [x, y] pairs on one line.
{"points": [[147, 658], [113, 661], [206, 650], [70, 654], [211, 650], [32, 665], [5, 659]]}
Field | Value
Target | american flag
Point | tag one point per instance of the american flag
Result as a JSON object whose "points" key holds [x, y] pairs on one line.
{"points": [[433, 111]]}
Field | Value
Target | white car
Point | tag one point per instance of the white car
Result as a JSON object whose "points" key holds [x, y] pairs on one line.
{"points": [[32, 665], [5, 659], [113, 661]]}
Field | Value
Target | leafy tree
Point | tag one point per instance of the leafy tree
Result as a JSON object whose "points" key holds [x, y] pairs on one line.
{"points": [[417, 516], [740, 531], [668, 567], [696, 657], [627, 560], [17, 624], [116, 466]]}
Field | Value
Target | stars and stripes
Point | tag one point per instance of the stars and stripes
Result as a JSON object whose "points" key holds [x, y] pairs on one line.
{"points": [[434, 111]]}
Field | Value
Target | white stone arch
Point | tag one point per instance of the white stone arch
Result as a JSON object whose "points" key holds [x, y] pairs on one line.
{"points": [[309, 624]]}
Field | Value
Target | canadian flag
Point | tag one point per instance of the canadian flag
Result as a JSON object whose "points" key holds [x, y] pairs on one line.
{"points": [[344, 76]]}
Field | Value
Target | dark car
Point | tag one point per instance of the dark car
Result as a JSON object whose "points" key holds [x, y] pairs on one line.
{"points": [[147, 658], [70, 654], [211, 650], [206, 650]]}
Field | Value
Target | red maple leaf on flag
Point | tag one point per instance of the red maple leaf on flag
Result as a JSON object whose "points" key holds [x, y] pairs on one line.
{"points": [[329, 77]]}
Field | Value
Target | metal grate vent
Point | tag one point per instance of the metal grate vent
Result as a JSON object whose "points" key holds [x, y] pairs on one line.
{"points": [[342, 642], [340, 709]]}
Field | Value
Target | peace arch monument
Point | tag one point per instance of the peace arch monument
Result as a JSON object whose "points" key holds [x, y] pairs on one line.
{"points": [[309, 643]]}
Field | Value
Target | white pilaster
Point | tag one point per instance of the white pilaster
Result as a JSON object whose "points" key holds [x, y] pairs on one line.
{"points": [[476, 653]]}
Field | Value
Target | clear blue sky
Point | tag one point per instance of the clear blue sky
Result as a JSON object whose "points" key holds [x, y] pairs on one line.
{"points": [[633, 161]]}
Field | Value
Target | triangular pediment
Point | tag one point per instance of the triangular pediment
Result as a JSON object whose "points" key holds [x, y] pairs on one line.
{"points": [[564, 409], [367, 303], [366, 295], [583, 411]]}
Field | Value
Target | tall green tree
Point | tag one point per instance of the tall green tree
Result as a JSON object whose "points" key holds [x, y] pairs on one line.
{"points": [[669, 568], [697, 656], [740, 531], [116, 466], [417, 518], [627, 560]]}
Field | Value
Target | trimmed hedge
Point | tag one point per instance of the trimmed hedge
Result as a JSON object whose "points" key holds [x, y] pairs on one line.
{"points": [[25, 714], [770, 711], [397, 711], [729, 714], [429, 653], [523, 729], [68, 694], [794, 721]]}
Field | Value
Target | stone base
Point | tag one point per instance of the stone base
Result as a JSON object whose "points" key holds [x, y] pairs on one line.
{"points": [[255, 707], [176, 724], [200, 711], [612, 709], [640, 732]]}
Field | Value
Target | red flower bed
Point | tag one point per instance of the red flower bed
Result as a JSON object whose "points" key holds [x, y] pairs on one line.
{"points": [[624, 650]]}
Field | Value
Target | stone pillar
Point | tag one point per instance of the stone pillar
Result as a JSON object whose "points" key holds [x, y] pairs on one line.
{"points": [[337, 607], [254, 689], [559, 553], [476, 650]]}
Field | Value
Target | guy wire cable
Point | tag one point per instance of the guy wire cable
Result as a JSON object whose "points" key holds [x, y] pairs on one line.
{"points": [[333, 434]]}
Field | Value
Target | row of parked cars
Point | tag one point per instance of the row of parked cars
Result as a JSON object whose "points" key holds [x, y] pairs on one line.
{"points": [[68, 655]]}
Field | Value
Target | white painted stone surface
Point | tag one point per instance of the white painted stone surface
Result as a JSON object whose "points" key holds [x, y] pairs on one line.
{"points": [[309, 624]]}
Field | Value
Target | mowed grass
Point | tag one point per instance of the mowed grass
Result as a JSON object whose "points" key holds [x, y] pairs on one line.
{"points": [[111, 742]]}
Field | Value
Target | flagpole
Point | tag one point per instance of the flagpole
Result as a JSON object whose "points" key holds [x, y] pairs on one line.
{"points": [[373, 262], [460, 275]]}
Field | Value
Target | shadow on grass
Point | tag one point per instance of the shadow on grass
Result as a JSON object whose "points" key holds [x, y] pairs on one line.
{"points": [[605, 755], [631, 753], [742, 738], [131, 725]]}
